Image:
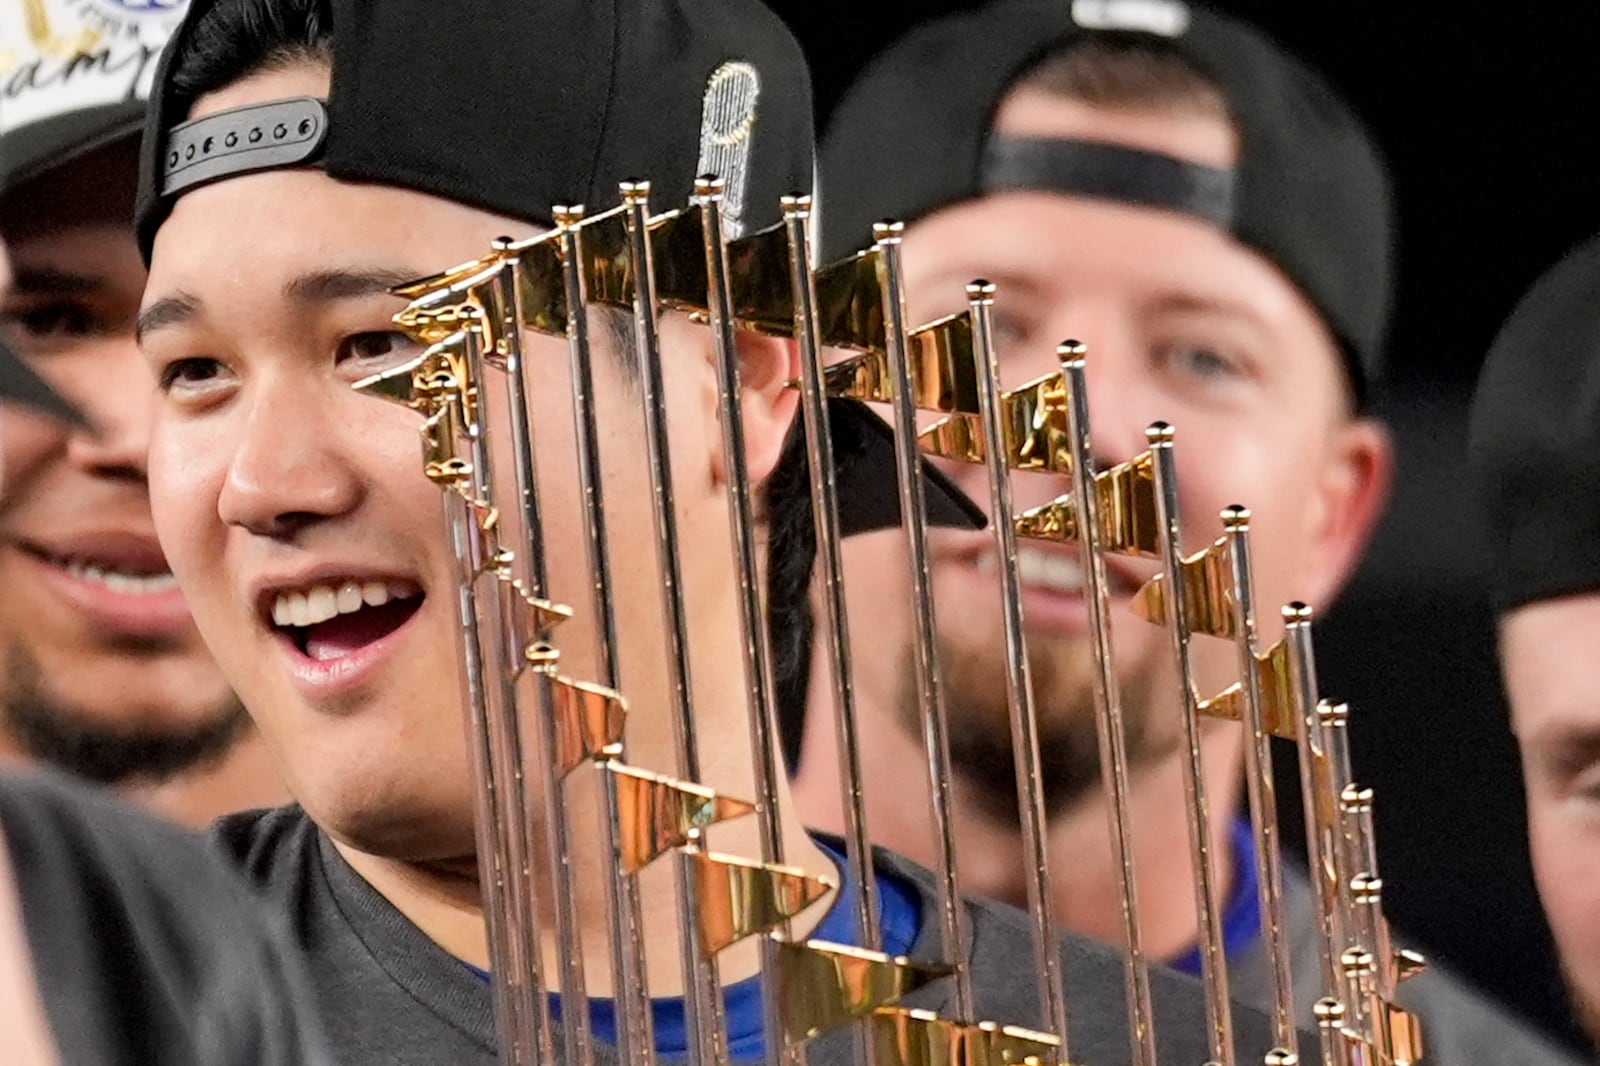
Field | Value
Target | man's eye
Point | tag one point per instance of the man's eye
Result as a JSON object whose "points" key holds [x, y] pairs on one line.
{"points": [[1201, 362], [50, 321], [190, 374], [389, 346]]}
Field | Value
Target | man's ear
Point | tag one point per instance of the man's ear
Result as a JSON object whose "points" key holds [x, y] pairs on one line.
{"points": [[1352, 492], [766, 367]]}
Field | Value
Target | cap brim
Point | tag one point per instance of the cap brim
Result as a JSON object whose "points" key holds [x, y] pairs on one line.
{"points": [[868, 479], [20, 385], [41, 146]]}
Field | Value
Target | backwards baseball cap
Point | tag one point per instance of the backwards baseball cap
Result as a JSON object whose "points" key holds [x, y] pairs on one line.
{"points": [[517, 105], [1535, 438], [1309, 192], [78, 73]]}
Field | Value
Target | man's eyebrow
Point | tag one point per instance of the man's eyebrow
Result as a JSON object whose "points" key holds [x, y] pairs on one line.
{"points": [[326, 286], [30, 281], [172, 310]]}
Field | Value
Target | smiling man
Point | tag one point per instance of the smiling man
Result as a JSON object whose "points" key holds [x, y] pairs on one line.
{"points": [[407, 136], [1204, 213], [102, 672]]}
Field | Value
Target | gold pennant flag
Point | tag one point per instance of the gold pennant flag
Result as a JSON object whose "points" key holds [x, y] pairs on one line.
{"points": [[923, 1038], [1127, 508], [939, 357], [660, 813], [740, 897], [1035, 423], [1208, 594], [589, 721], [1277, 700], [823, 986]]}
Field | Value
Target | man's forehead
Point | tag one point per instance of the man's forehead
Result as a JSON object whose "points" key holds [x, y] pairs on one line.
{"points": [[1192, 136]]}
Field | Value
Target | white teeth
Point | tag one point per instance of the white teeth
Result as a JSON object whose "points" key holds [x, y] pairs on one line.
{"points": [[1043, 569], [319, 603], [117, 581]]}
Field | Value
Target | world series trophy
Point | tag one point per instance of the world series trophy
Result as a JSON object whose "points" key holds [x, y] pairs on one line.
{"points": [[471, 386]]}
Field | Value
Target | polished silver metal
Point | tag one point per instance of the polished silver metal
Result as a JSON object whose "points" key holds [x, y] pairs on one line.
{"points": [[702, 988], [529, 565], [1321, 847], [930, 687], [1112, 735], [1260, 784], [1208, 903], [761, 687], [1019, 678]]}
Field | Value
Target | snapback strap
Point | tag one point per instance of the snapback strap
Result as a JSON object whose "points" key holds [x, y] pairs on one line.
{"points": [[1112, 172], [269, 136]]}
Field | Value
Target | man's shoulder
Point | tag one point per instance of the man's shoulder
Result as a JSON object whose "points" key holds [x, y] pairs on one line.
{"points": [[1006, 984], [145, 945], [1462, 1026]]}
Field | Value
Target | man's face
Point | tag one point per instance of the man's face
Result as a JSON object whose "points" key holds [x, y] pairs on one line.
{"points": [[1184, 325], [104, 672], [1552, 675], [278, 487]]}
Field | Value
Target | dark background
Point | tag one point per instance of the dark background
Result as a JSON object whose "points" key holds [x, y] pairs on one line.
{"points": [[1487, 114]]}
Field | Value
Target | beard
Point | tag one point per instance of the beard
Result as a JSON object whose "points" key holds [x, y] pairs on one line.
{"points": [[1063, 671], [73, 739]]}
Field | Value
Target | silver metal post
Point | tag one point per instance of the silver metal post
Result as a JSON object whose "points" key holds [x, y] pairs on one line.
{"points": [[1019, 678], [760, 684], [1262, 789], [1113, 741], [1208, 906], [703, 991], [1325, 864], [631, 983], [569, 944], [930, 686], [825, 507]]}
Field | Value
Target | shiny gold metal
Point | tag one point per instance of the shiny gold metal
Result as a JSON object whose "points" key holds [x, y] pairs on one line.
{"points": [[741, 897], [1031, 423], [923, 1038], [661, 814], [468, 386], [825, 986]]}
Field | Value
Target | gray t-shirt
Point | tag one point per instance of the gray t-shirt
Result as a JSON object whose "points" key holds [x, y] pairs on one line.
{"points": [[1460, 1026], [147, 951], [391, 996]]}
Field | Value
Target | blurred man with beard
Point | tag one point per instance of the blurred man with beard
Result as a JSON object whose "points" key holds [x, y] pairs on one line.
{"points": [[1212, 221], [102, 672]]}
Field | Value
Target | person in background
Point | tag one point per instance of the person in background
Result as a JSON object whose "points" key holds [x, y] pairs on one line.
{"points": [[102, 671], [1206, 214], [1535, 458]]}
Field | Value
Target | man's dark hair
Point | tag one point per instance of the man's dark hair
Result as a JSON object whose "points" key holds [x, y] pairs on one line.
{"points": [[233, 39]]}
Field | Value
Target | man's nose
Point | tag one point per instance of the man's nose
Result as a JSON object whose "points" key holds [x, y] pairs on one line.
{"points": [[286, 470], [118, 403]]}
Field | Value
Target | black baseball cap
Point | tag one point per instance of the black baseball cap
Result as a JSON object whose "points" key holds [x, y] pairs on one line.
{"points": [[1310, 191], [82, 75], [518, 105], [1535, 438]]}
